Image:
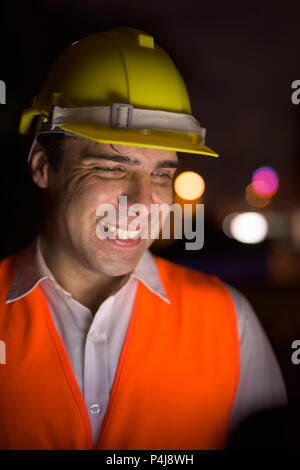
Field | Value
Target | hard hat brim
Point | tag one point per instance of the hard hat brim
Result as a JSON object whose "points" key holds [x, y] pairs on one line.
{"points": [[160, 139]]}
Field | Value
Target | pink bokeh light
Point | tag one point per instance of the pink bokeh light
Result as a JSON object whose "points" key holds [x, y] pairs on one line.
{"points": [[265, 181]]}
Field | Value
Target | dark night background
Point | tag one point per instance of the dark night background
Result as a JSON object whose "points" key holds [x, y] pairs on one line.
{"points": [[238, 60]]}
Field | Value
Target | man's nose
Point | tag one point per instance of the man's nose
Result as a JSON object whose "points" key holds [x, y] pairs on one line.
{"points": [[140, 192]]}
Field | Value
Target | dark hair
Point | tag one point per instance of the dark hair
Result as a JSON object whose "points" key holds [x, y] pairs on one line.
{"points": [[53, 144]]}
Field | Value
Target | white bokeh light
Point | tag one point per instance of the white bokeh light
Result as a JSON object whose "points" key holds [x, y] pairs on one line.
{"points": [[249, 227]]}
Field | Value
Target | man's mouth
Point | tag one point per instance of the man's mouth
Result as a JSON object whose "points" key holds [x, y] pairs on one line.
{"points": [[121, 233]]}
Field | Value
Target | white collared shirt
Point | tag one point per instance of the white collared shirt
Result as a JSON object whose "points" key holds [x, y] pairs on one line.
{"points": [[94, 343]]}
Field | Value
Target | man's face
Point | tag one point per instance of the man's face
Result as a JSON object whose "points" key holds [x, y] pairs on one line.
{"points": [[91, 174]]}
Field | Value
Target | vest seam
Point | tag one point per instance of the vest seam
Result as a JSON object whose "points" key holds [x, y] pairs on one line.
{"points": [[67, 369], [120, 367]]}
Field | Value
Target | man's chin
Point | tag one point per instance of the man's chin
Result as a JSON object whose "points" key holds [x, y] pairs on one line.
{"points": [[115, 270], [117, 257], [115, 264]]}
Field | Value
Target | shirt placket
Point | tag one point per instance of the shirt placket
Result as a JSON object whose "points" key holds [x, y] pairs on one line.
{"points": [[95, 374]]}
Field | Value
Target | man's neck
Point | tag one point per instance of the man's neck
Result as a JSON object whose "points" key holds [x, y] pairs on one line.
{"points": [[89, 288]]}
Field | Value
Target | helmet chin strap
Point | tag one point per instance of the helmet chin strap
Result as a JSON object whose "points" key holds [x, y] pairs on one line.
{"points": [[58, 131], [31, 149]]}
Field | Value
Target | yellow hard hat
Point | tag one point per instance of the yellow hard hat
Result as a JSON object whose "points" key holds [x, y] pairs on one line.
{"points": [[117, 87]]}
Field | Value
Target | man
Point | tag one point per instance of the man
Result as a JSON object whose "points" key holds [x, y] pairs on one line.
{"points": [[107, 346]]}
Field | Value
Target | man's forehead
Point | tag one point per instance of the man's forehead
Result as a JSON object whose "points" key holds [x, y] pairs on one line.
{"points": [[92, 147], [86, 147]]}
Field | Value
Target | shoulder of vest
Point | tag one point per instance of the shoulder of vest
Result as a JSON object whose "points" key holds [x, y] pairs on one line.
{"points": [[9, 261], [173, 274], [193, 291], [8, 266]]}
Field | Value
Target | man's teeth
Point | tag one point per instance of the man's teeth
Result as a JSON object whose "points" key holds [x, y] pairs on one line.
{"points": [[119, 232]]}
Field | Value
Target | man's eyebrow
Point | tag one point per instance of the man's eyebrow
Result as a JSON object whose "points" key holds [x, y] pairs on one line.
{"points": [[128, 160], [168, 164], [112, 158]]}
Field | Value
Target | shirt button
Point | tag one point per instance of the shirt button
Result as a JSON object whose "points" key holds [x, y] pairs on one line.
{"points": [[95, 408], [95, 337]]}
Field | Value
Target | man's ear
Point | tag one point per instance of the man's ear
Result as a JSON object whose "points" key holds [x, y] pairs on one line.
{"points": [[39, 165]]}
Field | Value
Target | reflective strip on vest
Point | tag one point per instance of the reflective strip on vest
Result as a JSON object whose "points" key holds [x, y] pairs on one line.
{"points": [[174, 386]]}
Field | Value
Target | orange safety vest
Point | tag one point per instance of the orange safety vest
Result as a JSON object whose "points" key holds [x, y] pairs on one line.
{"points": [[175, 382]]}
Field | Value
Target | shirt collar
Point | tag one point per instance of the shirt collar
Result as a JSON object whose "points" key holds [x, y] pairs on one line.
{"points": [[32, 269]]}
